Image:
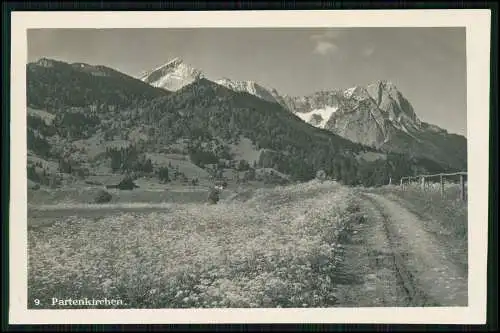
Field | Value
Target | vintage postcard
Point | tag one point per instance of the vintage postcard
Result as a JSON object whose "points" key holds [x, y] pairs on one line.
{"points": [[249, 167]]}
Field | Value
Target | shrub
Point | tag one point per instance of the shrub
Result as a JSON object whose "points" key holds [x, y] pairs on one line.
{"points": [[243, 165], [91, 182], [250, 174], [54, 181], [127, 184], [213, 196], [103, 197], [200, 158], [163, 174], [321, 175]]}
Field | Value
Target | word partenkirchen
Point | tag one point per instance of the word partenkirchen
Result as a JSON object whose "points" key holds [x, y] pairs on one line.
{"points": [[85, 301]]}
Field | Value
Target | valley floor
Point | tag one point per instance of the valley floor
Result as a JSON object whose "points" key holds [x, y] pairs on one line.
{"points": [[306, 245]]}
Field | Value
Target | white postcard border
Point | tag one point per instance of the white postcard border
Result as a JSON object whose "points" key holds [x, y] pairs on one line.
{"points": [[477, 23]]}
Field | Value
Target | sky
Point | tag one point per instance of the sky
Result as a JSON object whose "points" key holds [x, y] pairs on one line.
{"points": [[428, 65]]}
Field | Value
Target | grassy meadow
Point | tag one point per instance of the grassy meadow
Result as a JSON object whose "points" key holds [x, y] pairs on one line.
{"points": [[263, 247]]}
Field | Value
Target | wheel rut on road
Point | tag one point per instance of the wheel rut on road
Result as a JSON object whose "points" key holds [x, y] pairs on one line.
{"points": [[395, 262], [434, 274], [368, 257]]}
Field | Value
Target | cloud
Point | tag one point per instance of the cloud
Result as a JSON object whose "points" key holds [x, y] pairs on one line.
{"points": [[323, 47], [325, 43], [368, 51]]}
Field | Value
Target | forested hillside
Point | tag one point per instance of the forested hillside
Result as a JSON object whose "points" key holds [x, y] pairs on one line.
{"points": [[87, 107]]}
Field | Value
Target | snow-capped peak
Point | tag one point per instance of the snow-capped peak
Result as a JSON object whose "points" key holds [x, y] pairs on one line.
{"points": [[175, 61], [225, 82], [387, 84], [172, 75], [348, 92], [356, 92], [171, 63], [250, 87], [318, 117]]}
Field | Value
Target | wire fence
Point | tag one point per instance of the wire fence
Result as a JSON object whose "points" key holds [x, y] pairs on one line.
{"points": [[438, 182]]}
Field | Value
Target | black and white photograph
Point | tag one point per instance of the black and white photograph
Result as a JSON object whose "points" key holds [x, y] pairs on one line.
{"points": [[307, 167]]}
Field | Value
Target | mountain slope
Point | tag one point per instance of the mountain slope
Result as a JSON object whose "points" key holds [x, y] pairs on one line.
{"points": [[205, 111], [52, 84], [205, 103], [377, 115], [69, 102], [79, 111], [381, 117], [172, 75], [249, 87], [176, 74]]}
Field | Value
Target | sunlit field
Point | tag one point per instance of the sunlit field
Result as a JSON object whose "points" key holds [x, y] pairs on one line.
{"points": [[274, 247]]}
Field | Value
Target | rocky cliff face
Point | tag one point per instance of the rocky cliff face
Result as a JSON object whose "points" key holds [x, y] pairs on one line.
{"points": [[373, 115], [379, 116]]}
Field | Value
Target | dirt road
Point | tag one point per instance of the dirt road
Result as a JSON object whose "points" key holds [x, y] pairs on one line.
{"points": [[401, 264]]}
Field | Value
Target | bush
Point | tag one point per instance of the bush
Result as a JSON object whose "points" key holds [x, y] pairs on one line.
{"points": [[213, 196], [321, 175], [91, 182], [243, 165], [163, 174], [127, 184], [250, 174], [200, 158], [54, 181], [103, 197]]}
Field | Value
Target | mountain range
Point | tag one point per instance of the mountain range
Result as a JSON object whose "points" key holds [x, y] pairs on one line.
{"points": [[377, 115], [176, 107]]}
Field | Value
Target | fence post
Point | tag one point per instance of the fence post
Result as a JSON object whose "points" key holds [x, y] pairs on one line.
{"points": [[422, 182], [462, 188], [441, 180]]}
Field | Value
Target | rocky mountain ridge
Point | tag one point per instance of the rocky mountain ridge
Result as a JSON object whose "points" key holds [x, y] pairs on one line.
{"points": [[376, 115]]}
